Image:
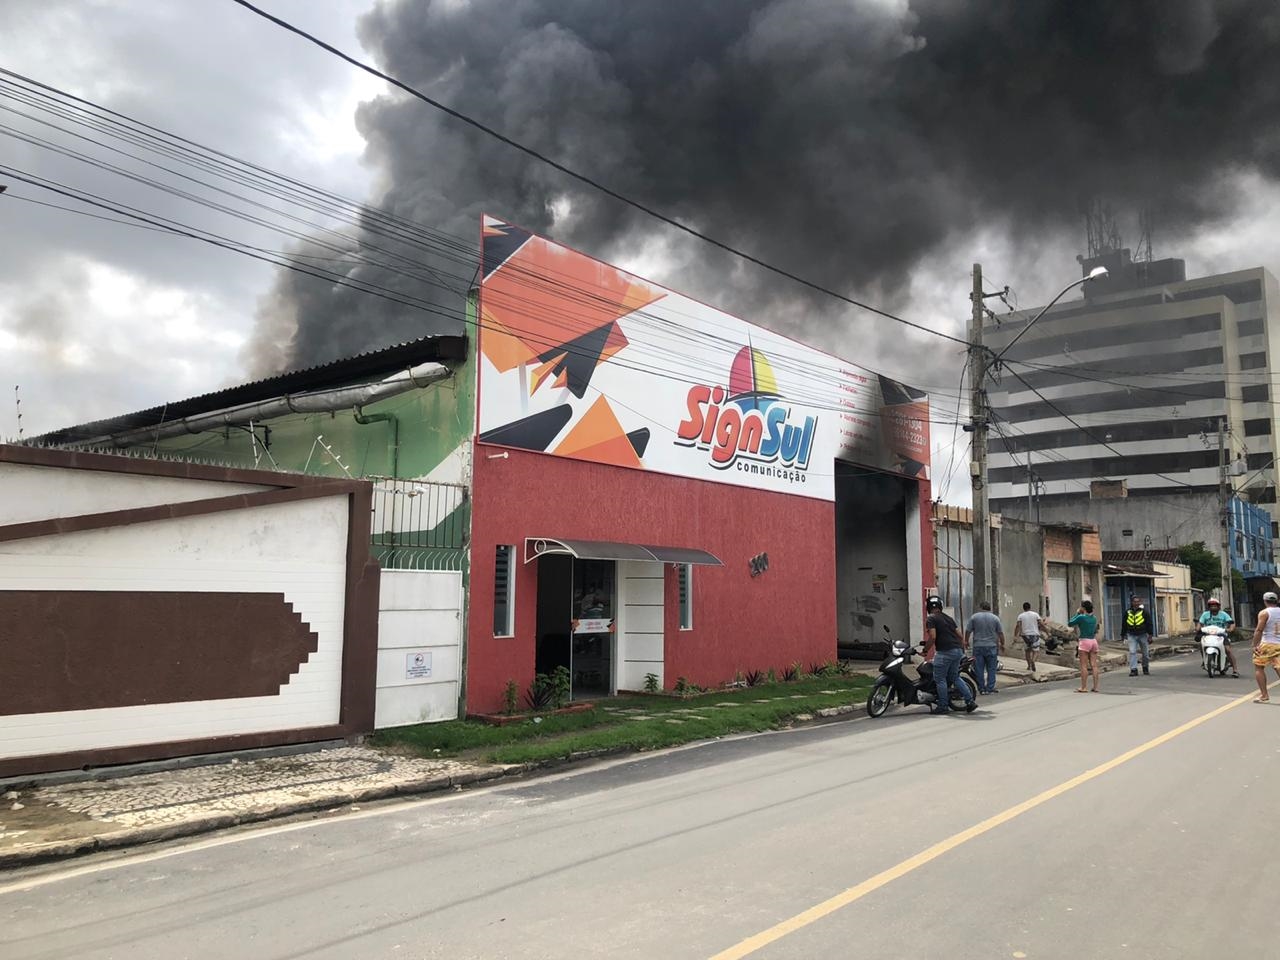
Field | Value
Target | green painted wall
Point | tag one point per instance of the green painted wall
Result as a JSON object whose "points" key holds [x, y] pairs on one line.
{"points": [[434, 422]]}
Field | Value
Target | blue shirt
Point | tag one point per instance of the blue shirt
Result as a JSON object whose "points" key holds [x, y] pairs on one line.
{"points": [[1219, 619]]}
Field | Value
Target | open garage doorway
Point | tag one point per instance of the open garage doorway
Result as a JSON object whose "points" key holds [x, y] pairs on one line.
{"points": [[877, 566]]}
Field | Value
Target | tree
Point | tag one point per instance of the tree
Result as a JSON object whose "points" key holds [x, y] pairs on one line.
{"points": [[1206, 566]]}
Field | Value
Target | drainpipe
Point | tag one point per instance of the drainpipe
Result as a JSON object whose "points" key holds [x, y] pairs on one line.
{"points": [[391, 418], [322, 401]]}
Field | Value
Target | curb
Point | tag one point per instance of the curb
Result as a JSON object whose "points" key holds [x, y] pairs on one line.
{"points": [[157, 833]]}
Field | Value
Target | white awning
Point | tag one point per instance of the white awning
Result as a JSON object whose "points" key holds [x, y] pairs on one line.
{"points": [[535, 547]]}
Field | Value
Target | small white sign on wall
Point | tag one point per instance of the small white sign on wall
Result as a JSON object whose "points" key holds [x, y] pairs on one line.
{"points": [[417, 665]]}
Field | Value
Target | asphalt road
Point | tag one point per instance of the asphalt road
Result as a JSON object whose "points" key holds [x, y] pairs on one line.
{"points": [[1048, 825]]}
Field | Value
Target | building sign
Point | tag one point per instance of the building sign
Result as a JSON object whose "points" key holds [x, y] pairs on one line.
{"points": [[417, 665], [580, 359]]}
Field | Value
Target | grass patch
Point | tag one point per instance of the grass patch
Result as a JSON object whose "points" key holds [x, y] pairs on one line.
{"points": [[628, 723]]}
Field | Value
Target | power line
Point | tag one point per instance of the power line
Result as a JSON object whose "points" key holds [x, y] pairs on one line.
{"points": [[583, 178], [44, 97], [1087, 432], [205, 236]]}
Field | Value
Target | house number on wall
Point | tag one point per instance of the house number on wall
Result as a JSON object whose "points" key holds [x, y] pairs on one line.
{"points": [[759, 564]]}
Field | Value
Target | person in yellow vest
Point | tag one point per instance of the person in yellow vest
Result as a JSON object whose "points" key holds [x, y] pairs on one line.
{"points": [[1138, 629]]}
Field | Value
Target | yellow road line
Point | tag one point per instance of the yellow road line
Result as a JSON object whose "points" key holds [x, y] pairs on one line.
{"points": [[853, 894]]}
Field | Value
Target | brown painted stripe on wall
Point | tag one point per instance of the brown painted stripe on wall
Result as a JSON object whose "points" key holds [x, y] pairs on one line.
{"points": [[67, 650]]}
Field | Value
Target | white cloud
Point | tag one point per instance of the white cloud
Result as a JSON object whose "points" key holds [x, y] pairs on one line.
{"points": [[99, 319]]}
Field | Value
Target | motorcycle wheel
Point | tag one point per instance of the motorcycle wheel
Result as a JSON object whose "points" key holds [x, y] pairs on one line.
{"points": [[878, 702], [1209, 667]]}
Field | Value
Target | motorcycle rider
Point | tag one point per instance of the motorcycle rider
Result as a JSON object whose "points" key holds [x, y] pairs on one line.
{"points": [[1215, 616], [943, 635]]}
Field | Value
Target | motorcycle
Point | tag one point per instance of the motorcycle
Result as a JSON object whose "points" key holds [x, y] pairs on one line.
{"points": [[894, 683], [1213, 650]]}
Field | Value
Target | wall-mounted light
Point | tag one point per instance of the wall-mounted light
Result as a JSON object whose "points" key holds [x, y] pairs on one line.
{"points": [[499, 456]]}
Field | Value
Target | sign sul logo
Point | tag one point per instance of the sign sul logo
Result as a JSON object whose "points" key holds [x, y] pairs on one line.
{"points": [[749, 421]]}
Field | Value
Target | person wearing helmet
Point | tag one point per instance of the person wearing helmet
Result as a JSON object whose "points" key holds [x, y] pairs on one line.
{"points": [[1266, 644], [943, 633], [1215, 616]]}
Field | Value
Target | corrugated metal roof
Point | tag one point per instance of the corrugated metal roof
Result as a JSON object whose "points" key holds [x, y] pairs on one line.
{"points": [[1128, 556], [336, 373]]}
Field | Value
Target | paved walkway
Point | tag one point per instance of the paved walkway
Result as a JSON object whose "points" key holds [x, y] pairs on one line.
{"points": [[60, 820]]}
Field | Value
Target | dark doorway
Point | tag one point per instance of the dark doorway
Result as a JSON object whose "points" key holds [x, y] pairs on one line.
{"points": [[594, 599], [576, 620], [871, 560], [555, 612]]}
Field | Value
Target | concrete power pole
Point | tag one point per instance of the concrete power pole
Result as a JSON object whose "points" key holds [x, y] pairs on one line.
{"points": [[1224, 512], [978, 417]]}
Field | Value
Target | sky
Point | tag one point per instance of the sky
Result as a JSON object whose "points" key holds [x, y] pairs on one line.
{"points": [[878, 147]]}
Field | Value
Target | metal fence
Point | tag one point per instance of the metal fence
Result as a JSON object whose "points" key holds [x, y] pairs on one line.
{"points": [[420, 525]]}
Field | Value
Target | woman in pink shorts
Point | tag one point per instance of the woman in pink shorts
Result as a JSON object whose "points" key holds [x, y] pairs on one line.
{"points": [[1087, 648]]}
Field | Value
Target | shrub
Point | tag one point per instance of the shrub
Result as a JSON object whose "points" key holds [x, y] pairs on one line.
{"points": [[792, 673], [754, 678], [510, 698], [650, 683], [540, 694]]}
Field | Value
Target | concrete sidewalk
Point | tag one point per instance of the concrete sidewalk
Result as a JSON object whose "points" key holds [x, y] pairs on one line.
{"points": [[55, 820]]}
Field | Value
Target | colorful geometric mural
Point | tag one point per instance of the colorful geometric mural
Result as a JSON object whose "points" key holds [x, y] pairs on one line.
{"points": [[580, 359]]}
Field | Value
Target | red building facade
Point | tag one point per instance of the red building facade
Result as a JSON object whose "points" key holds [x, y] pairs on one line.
{"points": [[660, 491]]}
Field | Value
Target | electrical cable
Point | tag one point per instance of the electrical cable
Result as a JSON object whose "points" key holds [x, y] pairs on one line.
{"points": [[583, 178]]}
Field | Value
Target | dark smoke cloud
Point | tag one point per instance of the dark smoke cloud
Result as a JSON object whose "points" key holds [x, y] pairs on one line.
{"points": [[845, 140]]}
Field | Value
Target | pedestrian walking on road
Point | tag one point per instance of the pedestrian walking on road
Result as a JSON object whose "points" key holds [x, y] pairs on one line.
{"points": [[948, 647], [1266, 644], [985, 633], [1087, 648], [1138, 629], [1028, 627]]}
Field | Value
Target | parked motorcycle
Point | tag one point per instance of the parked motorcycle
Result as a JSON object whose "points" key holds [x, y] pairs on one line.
{"points": [[1213, 650], [894, 684]]}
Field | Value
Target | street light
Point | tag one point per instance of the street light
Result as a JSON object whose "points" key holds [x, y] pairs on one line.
{"points": [[1097, 273], [980, 362]]}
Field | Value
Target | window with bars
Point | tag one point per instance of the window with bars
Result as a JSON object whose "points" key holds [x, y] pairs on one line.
{"points": [[504, 591], [684, 580]]}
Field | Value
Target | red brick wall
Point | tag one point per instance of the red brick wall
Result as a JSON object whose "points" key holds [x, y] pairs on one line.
{"points": [[1059, 546], [741, 622]]}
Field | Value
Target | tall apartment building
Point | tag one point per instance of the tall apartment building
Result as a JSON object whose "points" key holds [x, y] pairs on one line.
{"points": [[1146, 364]]}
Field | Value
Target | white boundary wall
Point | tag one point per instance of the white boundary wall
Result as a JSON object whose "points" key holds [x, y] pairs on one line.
{"points": [[419, 647], [640, 647]]}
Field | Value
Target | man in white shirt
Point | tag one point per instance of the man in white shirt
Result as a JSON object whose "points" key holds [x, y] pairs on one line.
{"points": [[1028, 627]]}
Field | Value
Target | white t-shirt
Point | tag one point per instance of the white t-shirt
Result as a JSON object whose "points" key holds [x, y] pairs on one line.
{"points": [[1030, 621], [1271, 628]]}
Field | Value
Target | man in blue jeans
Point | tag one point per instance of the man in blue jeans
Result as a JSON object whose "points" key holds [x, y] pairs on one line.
{"points": [[1138, 630], [948, 646], [986, 634]]}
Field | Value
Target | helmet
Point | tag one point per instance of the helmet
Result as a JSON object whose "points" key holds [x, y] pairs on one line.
{"points": [[1270, 597], [933, 603], [1214, 602]]}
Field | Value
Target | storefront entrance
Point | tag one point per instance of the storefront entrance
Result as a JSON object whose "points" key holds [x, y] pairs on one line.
{"points": [[577, 602]]}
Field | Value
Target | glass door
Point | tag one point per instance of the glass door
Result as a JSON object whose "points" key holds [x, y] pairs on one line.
{"points": [[594, 601]]}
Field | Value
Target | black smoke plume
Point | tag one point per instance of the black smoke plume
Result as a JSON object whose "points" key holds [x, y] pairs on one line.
{"points": [[845, 140]]}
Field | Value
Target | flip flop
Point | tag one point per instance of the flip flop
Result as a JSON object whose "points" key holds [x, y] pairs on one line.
{"points": [[1262, 700], [1081, 690]]}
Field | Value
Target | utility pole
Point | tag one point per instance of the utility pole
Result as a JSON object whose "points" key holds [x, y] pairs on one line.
{"points": [[1030, 482], [1224, 513], [978, 418]]}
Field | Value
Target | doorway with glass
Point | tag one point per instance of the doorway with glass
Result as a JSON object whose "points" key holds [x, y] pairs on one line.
{"points": [[576, 623]]}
